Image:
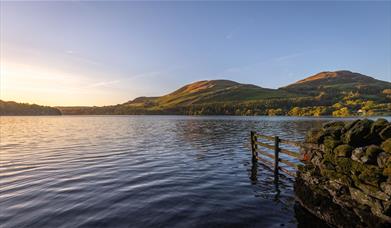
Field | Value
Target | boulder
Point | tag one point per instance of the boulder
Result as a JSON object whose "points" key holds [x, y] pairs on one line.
{"points": [[371, 175], [387, 208], [376, 128], [335, 132], [330, 143], [383, 160], [387, 172], [363, 198], [386, 133], [357, 134], [373, 191], [344, 165], [357, 154], [350, 124], [386, 146], [334, 124], [370, 156], [314, 136], [344, 150], [386, 188]]}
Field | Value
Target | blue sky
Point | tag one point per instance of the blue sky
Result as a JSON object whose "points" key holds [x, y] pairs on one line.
{"points": [[100, 53]]}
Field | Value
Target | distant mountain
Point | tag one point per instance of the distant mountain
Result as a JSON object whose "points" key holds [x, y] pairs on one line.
{"points": [[11, 108], [338, 82], [212, 91], [339, 93]]}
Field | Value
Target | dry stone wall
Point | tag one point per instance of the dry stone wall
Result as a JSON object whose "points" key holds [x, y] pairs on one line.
{"points": [[346, 179]]}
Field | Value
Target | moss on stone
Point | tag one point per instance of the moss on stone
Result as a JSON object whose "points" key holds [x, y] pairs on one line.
{"points": [[343, 150], [376, 128], [330, 143], [357, 167], [362, 198], [329, 157], [344, 165], [334, 124], [306, 168], [371, 154], [386, 133], [343, 180], [371, 175], [372, 191], [357, 154], [326, 164], [334, 132], [357, 133], [350, 124], [315, 136], [383, 160], [386, 146], [387, 171]]}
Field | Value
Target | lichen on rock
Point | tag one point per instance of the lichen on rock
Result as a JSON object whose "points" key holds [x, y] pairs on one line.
{"points": [[350, 167], [344, 150], [386, 146]]}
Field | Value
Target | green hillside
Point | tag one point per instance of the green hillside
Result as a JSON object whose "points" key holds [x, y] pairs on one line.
{"points": [[339, 82], [205, 92], [10, 108], [339, 93]]}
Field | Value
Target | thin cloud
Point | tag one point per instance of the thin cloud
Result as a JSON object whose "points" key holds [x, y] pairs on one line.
{"points": [[291, 56], [103, 83]]}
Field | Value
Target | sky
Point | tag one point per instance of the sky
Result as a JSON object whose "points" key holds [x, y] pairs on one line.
{"points": [[103, 53]]}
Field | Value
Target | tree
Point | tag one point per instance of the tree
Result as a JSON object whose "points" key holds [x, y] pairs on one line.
{"points": [[343, 112]]}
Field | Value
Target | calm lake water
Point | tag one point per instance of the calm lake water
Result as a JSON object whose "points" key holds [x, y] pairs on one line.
{"points": [[142, 171]]}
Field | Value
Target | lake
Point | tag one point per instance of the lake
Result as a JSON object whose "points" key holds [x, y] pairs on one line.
{"points": [[143, 171]]}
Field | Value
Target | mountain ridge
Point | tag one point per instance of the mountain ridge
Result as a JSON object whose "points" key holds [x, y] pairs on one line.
{"points": [[340, 93]]}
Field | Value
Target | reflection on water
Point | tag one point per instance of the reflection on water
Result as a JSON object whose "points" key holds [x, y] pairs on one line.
{"points": [[142, 171]]}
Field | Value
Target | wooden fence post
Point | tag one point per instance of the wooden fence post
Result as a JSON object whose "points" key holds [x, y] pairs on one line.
{"points": [[253, 146], [276, 153]]}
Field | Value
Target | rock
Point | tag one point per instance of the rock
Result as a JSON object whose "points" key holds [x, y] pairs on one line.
{"points": [[371, 175], [376, 128], [386, 146], [314, 136], [326, 164], [357, 133], [330, 174], [334, 132], [334, 129], [344, 165], [386, 133], [344, 180], [383, 160], [386, 188], [330, 143], [334, 124], [316, 160], [344, 150], [350, 124], [373, 191], [357, 154], [387, 208], [363, 198], [387, 171], [370, 156]]}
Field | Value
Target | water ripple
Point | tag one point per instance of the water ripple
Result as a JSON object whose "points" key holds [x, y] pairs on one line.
{"points": [[141, 171]]}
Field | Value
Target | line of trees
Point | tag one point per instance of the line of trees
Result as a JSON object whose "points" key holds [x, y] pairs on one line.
{"points": [[11, 108], [304, 106]]}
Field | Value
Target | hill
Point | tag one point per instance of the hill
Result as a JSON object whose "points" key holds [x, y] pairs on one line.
{"points": [[11, 108], [339, 93], [206, 92], [337, 83]]}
